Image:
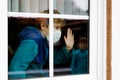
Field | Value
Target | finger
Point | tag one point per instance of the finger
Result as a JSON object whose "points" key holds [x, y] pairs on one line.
{"points": [[71, 37], [69, 32]]}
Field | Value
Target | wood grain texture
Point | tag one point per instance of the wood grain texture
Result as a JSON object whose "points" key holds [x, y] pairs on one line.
{"points": [[109, 40]]}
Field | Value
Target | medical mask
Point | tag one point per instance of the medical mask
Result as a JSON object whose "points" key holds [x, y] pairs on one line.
{"points": [[56, 35]]}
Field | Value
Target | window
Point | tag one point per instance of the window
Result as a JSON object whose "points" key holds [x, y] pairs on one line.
{"points": [[72, 20]]}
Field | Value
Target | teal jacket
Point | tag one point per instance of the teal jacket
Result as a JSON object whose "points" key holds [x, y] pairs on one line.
{"points": [[61, 56], [80, 62], [30, 55], [29, 58]]}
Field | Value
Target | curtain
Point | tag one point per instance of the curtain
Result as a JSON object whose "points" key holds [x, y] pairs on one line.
{"points": [[79, 7], [27, 5]]}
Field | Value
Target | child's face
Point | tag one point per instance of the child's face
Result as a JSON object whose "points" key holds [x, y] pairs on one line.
{"points": [[57, 26], [45, 27], [82, 45], [56, 32]]}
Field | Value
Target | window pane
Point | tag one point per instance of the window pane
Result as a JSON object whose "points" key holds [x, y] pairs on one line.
{"points": [[71, 53], [75, 7], [28, 48]]}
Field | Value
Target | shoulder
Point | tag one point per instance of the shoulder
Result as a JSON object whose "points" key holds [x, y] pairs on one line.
{"points": [[75, 51], [28, 43], [30, 33]]}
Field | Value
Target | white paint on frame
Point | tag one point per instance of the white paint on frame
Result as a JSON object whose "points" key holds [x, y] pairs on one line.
{"points": [[93, 75]]}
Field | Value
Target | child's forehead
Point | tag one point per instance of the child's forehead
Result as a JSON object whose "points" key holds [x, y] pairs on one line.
{"points": [[58, 25], [82, 40]]}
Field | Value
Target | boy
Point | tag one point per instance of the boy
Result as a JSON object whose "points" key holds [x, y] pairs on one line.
{"points": [[33, 50], [62, 55], [79, 64]]}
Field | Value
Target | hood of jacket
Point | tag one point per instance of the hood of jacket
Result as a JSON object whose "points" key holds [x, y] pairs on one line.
{"points": [[32, 33]]}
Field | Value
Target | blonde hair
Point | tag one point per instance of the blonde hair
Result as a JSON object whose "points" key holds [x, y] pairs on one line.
{"points": [[54, 11], [43, 20], [56, 20]]}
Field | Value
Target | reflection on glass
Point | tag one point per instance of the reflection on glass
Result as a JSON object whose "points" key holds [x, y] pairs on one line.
{"points": [[71, 49], [75, 7], [28, 49], [27, 5]]}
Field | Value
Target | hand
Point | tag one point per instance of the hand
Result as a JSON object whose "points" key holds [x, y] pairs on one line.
{"points": [[69, 39]]}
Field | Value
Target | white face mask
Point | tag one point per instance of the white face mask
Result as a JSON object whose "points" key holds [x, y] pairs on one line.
{"points": [[56, 35]]}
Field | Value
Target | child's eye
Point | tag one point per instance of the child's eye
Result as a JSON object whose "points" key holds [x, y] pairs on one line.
{"points": [[57, 27]]}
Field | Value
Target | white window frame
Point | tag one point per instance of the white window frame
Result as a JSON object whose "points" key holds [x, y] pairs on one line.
{"points": [[97, 40]]}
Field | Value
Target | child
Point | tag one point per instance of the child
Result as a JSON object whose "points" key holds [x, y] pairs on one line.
{"points": [[32, 51], [63, 54], [80, 64], [64, 51]]}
